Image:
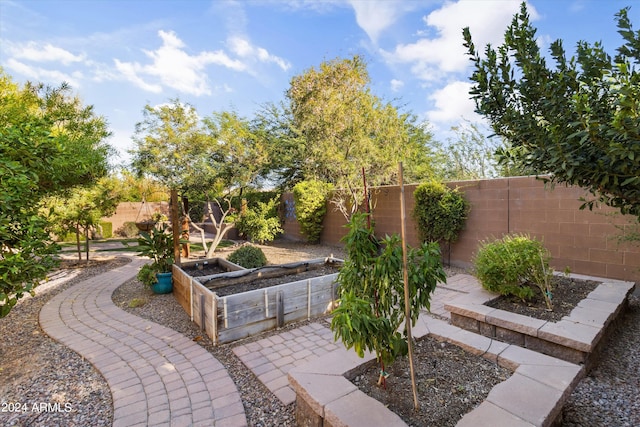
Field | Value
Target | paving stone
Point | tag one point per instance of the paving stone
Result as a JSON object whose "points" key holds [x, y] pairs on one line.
{"points": [[488, 414], [359, 410]]}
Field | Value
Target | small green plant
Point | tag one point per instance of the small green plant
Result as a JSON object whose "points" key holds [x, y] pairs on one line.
{"points": [[261, 223], [513, 265], [310, 199], [137, 302], [128, 230], [371, 309], [157, 245], [439, 211], [248, 256]]}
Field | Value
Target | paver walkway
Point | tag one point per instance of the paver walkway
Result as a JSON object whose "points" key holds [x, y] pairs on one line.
{"points": [[272, 358], [157, 376]]}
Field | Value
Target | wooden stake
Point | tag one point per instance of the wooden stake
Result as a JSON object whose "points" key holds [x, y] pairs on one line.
{"points": [[405, 276], [175, 226]]}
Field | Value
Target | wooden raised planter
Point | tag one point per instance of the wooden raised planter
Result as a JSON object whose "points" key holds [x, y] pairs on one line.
{"points": [[232, 317], [576, 338]]}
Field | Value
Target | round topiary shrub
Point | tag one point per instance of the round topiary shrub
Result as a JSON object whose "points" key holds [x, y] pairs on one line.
{"points": [[248, 256], [514, 265], [439, 212]]}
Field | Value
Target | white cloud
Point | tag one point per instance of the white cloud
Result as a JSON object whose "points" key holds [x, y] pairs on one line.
{"points": [[175, 68], [375, 17], [432, 58], [452, 103], [35, 52], [244, 49], [43, 75], [396, 85]]}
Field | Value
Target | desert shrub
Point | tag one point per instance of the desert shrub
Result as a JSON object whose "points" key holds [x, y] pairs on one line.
{"points": [[311, 206], [512, 265], [260, 223], [128, 229], [439, 211], [248, 256]]}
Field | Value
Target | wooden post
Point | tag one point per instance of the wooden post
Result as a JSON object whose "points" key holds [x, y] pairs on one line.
{"points": [[175, 226], [405, 276], [279, 309]]}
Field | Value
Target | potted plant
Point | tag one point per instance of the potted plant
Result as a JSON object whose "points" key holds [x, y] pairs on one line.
{"points": [[157, 244]]}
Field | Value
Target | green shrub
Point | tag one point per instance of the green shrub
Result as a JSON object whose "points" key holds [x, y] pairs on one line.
{"points": [[439, 212], [128, 229], [261, 223], [512, 265], [310, 199], [248, 256], [107, 229]]}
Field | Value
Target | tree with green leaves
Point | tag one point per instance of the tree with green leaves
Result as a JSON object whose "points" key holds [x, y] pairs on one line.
{"points": [[578, 121], [81, 210], [208, 160], [49, 142], [371, 304], [333, 127]]}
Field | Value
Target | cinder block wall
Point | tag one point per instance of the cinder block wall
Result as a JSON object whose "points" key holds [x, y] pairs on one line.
{"points": [[584, 241]]}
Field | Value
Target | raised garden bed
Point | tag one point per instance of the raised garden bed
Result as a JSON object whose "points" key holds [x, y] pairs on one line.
{"points": [[574, 338], [533, 395], [238, 303]]}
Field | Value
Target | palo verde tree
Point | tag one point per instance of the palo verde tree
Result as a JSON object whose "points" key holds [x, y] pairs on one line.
{"points": [[371, 303], [208, 159], [578, 120], [49, 142]]}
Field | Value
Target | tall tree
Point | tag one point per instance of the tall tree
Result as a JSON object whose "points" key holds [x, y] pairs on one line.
{"points": [[336, 127], [579, 121], [49, 142]]}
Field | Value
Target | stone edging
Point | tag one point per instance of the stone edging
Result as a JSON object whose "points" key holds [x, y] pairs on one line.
{"points": [[533, 396], [575, 338]]}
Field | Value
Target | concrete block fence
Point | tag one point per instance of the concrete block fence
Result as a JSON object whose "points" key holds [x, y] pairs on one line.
{"points": [[586, 242]]}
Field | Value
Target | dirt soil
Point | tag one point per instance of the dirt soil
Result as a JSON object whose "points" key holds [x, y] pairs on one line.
{"points": [[450, 383], [566, 294]]}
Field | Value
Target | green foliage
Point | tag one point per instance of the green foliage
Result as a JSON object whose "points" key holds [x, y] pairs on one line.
{"points": [[107, 229], [49, 142], [248, 256], [260, 223], [310, 199], [512, 265], [578, 121], [157, 245], [371, 308], [440, 212], [128, 229], [331, 127]]}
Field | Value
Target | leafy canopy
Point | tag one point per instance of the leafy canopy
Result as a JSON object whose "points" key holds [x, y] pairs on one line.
{"points": [[579, 120], [49, 143]]}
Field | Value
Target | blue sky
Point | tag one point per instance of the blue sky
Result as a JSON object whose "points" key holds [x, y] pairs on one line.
{"points": [[121, 55]]}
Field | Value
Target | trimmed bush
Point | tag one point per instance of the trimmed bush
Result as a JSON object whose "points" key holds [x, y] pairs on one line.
{"points": [[261, 223], [439, 212], [248, 256], [513, 265], [107, 229], [310, 199]]}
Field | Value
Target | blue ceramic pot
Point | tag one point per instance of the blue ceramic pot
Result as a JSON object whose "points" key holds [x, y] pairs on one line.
{"points": [[164, 285]]}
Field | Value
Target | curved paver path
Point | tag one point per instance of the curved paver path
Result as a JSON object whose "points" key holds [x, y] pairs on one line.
{"points": [[157, 376]]}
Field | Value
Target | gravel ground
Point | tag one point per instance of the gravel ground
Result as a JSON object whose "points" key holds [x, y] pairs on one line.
{"points": [[36, 370]]}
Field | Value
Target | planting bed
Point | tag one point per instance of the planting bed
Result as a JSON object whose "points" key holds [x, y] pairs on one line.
{"points": [[533, 395], [241, 302], [575, 337]]}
